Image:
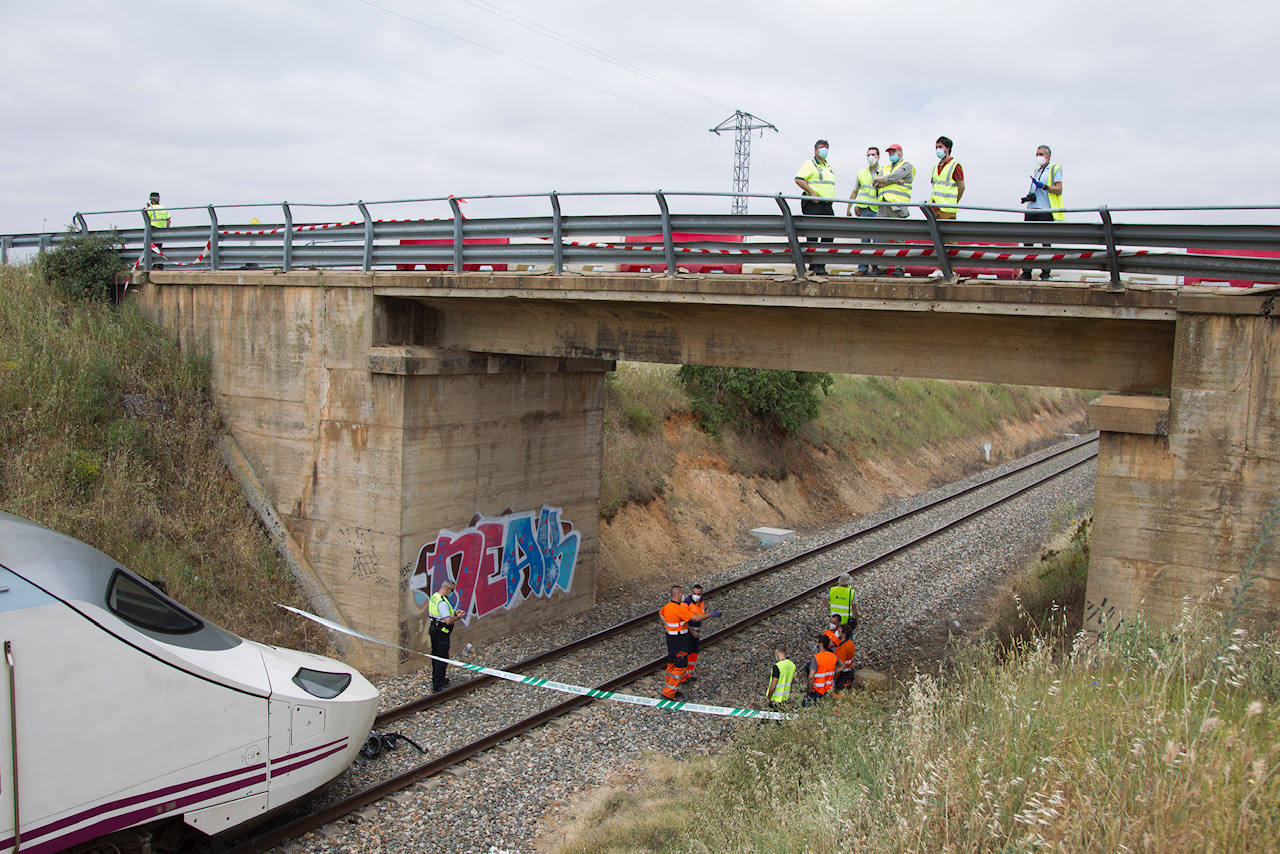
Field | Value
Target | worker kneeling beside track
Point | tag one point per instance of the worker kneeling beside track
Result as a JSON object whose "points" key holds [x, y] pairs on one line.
{"points": [[675, 617]]}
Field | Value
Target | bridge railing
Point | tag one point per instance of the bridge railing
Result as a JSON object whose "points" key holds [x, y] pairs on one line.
{"points": [[662, 239]]}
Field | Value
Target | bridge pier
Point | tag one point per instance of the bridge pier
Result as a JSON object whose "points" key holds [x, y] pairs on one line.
{"points": [[393, 462], [1184, 482]]}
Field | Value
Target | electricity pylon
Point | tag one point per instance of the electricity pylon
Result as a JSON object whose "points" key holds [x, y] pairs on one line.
{"points": [[743, 124]]}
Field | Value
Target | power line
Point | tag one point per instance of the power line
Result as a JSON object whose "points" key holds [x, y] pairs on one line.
{"points": [[569, 41], [542, 68]]}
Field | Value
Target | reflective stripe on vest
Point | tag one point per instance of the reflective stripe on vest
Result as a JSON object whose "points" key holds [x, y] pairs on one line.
{"points": [[945, 190], [867, 192], [674, 623], [786, 672], [825, 676], [841, 599], [158, 215], [899, 194], [1055, 199], [825, 184], [436, 612]]}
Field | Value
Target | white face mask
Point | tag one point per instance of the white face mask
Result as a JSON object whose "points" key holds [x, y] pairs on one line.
{"points": [[697, 597], [822, 152], [873, 159], [1042, 161]]}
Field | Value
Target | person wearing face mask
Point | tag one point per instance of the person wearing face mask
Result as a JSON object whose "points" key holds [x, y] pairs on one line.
{"points": [[816, 177], [865, 196], [694, 600], [1044, 198], [948, 181], [895, 188]]}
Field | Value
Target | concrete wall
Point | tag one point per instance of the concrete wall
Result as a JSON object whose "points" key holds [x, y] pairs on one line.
{"points": [[369, 450], [1181, 498]]}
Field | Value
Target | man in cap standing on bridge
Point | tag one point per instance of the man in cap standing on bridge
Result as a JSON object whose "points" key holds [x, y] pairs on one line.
{"points": [[895, 188], [159, 217], [443, 616], [818, 180]]}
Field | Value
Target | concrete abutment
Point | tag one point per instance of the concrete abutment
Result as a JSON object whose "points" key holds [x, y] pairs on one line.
{"points": [[1186, 482], [373, 445]]}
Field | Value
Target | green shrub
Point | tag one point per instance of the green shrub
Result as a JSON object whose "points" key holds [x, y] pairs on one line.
{"points": [[779, 400], [83, 266], [82, 471]]}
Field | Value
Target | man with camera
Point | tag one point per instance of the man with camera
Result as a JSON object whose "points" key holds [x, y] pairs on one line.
{"points": [[1044, 198]]}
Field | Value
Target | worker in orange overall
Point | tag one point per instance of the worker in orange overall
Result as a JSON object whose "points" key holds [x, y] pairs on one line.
{"points": [[822, 671], [844, 650], [694, 600], [675, 616]]}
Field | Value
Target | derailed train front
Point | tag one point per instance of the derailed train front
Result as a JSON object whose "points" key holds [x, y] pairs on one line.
{"points": [[131, 710]]}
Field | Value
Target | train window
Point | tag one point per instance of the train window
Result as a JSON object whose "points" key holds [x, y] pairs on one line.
{"points": [[318, 683], [132, 601]]}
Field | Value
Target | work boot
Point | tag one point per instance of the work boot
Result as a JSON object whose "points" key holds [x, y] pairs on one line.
{"points": [[818, 269], [1026, 276]]}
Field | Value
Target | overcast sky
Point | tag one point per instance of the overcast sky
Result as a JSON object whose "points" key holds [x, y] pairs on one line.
{"points": [[334, 100]]}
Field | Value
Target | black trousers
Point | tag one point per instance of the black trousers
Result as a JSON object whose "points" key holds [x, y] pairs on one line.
{"points": [[811, 208], [1037, 216], [439, 646]]}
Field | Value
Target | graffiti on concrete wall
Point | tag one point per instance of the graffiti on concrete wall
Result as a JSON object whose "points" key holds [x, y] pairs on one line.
{"points": [[499, 562]]}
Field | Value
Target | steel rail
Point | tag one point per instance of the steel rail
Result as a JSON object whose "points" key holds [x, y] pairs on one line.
{"points": [[296, 827], [453, 691]]}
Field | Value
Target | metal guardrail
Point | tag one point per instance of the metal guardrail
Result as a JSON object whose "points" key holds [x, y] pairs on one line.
{"points": [[669, 240]]}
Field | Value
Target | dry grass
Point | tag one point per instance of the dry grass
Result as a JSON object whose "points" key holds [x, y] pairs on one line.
{"points": [[1148, 740], [146, 484]]}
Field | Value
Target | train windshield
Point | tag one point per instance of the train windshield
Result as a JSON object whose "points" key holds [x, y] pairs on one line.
{"points": [[320, 683], [136, 603]]}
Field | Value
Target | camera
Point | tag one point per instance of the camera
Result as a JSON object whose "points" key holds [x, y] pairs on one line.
{"points": [[1029, 198]]}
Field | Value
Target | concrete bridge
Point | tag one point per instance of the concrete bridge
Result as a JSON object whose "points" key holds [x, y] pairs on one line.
{"points": [[406, 425]]}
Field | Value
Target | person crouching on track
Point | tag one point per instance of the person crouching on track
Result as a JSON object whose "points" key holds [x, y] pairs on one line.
{"points": [[780, 678], [694, 600], [822, 671], [443, 616], [844, 650], [675, 616]]}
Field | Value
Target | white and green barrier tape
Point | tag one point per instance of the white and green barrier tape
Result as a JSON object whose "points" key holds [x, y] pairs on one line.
{"points": [[562, 687]]}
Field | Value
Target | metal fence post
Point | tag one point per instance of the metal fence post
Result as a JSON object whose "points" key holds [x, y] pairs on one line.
{"points": [[557, 234], [368, 236], [213, 238], [146, 241], [78, 219], [789, 221], [457, 234], [286, 261], [1109, 235], [4, 251], [668, 245], [939, 248]]}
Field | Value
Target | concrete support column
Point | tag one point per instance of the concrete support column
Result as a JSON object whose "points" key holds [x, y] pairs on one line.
{"points": [[1184, 483], [393, 463]]}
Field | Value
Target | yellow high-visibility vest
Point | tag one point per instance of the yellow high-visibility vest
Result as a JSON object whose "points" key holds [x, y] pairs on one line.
{"points": [[158, 215], [899, 194], [820, 177], [1055, 199], [945, 190], [786, 673], [868, 193]]}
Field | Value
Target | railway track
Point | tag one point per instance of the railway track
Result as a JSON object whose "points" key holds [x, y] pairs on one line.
{"points": [[1061, 460]]}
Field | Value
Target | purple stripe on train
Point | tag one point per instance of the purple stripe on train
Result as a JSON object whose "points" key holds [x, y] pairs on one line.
{"points": [[155, 810]]}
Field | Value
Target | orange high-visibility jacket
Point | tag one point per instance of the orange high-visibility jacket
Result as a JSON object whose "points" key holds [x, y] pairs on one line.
{"points": [[824, 678], [845, 652], [676, 616]]}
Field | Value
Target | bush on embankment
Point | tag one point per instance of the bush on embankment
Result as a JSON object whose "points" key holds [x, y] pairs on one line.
{"points": [[1147, 741], [107, 433], [856, 417]]}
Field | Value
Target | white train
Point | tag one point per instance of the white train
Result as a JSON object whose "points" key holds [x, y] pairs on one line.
{"points": [[127, 711]]}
